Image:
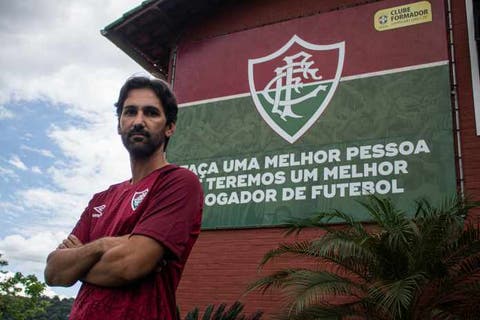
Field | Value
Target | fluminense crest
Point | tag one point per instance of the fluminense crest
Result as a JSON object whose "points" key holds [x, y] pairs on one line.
{"points": [[138, 198], [292, 86]]}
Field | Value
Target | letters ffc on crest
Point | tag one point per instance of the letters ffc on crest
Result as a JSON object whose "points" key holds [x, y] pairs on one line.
{"points": [[298, 80]]}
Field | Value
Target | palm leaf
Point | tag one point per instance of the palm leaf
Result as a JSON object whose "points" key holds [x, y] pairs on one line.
{"points": [[427, 267], [218, 314], [208, 312], [301, 248], [311, 288], [397, 296], [192, 315], [274, 280]]}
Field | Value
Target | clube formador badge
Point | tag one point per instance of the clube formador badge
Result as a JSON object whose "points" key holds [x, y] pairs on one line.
{"points": [[138, 198], [293, 86]]}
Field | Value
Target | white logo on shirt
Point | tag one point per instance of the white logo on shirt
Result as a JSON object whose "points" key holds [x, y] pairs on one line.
{"points": [[138, 198], [99, 211]]}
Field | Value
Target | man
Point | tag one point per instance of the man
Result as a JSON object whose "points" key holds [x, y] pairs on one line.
{"points": [[131, 243]]}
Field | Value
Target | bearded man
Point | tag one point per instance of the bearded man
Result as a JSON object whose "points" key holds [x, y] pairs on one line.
{"points": [[131, 243]]}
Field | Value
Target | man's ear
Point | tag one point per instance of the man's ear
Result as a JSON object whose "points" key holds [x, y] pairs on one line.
{"points": [[118, 126], [170, 129]]}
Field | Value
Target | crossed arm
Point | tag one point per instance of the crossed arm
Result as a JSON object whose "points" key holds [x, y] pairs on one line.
{"points": [[109, 261]]}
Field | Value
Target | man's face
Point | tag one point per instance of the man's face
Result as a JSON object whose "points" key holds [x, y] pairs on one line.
{"points": [[142, 124]]}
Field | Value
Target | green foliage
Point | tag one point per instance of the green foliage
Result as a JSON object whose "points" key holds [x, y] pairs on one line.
{"points": [[57, 309], [221, 313], [398, 268], [15, 305]]}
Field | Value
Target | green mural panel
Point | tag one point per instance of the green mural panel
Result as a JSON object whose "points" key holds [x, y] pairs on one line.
{"points": [[388, 134]]}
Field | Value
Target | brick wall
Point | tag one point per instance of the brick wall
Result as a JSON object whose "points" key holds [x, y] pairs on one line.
{"points": [[470, 142], [224, 262]]}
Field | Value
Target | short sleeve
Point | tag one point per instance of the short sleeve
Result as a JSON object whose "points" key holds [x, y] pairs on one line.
{"points": [[173, 212], [82, 228]]}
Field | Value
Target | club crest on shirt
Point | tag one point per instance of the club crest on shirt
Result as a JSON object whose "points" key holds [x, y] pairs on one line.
{"points": [[138, 198]]}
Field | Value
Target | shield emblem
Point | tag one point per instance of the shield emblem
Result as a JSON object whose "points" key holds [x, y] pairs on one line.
{"points": [[292, 86], [138, 198]]}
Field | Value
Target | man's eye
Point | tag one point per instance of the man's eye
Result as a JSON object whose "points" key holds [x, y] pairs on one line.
{"points": [[129, 112], [151, 113]]}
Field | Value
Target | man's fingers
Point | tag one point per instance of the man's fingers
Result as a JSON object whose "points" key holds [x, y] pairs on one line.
{"points": [[74, 240], [71, 242], [67, 243]]}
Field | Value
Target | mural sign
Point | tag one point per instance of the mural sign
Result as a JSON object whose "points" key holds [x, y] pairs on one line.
{"points": [[315, 113]]}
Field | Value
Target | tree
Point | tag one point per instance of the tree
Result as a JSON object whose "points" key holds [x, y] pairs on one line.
{"points": [[427, 267], [20, 296], [234, 312], [57, 309]]}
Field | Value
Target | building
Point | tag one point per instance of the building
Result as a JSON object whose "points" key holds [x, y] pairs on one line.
{"points": [[291, 107]]}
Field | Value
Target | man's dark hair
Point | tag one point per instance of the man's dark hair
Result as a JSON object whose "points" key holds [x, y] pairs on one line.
{"points": [[162, 91]]}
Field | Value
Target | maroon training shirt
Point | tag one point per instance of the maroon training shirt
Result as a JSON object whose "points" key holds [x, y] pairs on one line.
{"points": [[167, 206]]}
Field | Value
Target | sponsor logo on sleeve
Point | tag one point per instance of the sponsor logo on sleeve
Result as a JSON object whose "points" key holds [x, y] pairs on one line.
{"points": [[98, 211]]}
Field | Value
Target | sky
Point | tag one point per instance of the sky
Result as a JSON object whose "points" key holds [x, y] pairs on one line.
{"points": [[59, 79]]}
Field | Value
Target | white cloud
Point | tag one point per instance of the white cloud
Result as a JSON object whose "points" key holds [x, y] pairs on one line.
{"points": [[36, 169], [7, 174], [27, 254], [50, 293], [43, 152], [10, 212], [5, 113], [84, 91], [61, 208], [71, 65], [17, 163], [8, 207], [32, 249], [97, 155], [53, 51], [74, 67]]}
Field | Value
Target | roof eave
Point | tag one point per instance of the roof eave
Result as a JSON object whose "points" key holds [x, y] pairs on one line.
{"points": [[136, 55]]}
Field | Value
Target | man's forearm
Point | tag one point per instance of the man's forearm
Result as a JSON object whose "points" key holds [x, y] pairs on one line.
{"points": [[111, 270], [129, 261], [66, 266]]}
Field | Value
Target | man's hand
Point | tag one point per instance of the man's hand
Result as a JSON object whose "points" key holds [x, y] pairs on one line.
{"points": [[107, 242], [72, 259], [70, 242]]}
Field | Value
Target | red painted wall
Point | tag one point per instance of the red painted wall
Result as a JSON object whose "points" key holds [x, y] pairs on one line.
{"points": [[224, 262], [470, 142]]}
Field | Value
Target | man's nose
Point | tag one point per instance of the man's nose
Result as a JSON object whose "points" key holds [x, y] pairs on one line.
{"points": [[139, 119]]}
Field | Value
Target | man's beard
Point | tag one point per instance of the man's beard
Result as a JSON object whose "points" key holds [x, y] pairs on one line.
{"points": [[145, 148]]}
